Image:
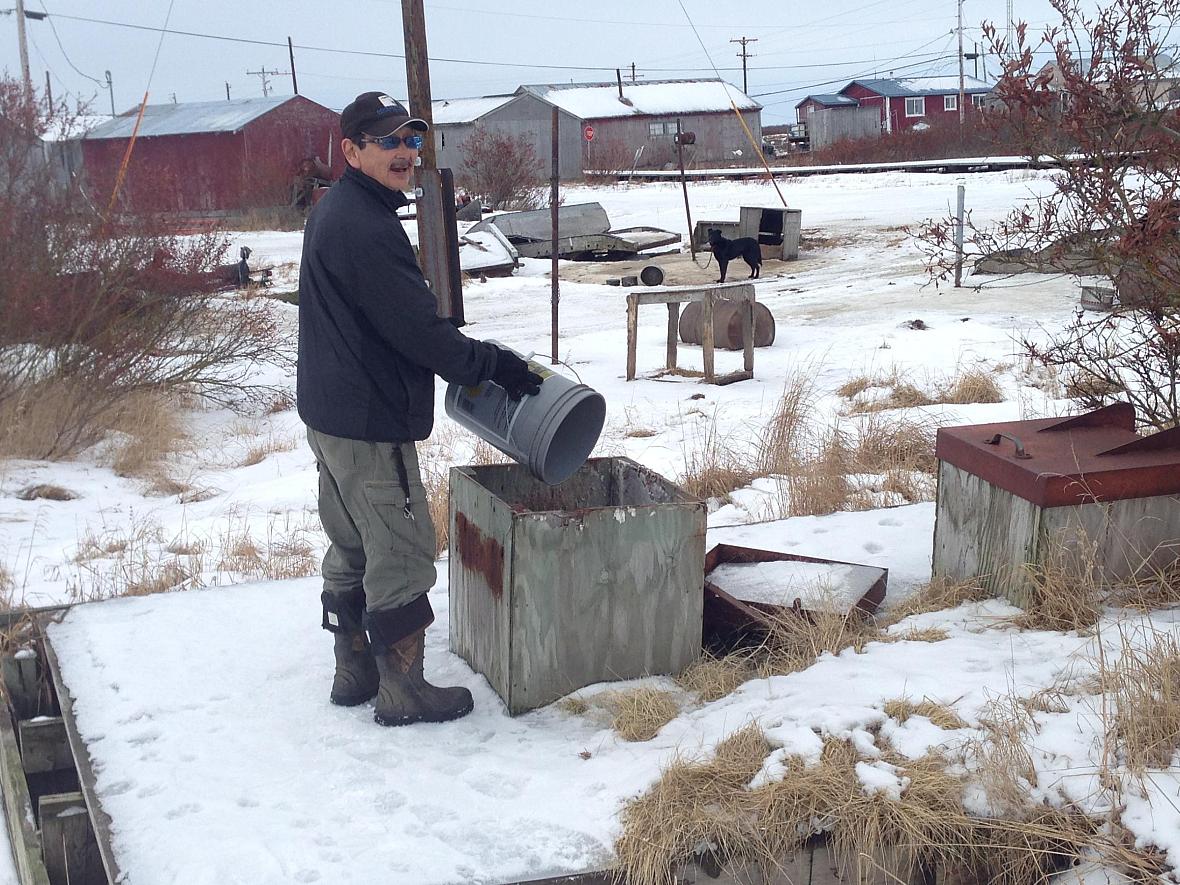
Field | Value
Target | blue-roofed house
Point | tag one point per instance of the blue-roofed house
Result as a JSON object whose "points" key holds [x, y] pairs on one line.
{"points": [[822, 102], [210, 157]]}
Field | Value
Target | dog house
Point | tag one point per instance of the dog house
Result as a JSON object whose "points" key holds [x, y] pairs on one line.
{"points": [[775, 228], [1083, 493]]}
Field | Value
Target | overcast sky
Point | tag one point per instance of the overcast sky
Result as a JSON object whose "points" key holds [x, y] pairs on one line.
{"points": [[342, 49]]}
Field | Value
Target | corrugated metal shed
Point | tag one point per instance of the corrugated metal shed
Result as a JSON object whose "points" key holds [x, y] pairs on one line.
{"points": [[189, 118], [465, 110], [599, 101], [915, 86]]}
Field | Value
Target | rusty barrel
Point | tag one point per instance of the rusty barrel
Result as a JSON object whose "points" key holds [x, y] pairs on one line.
{"points": [[727, 325]]}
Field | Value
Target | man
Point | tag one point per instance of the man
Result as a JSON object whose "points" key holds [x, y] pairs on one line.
{"points": [[370, 344]]}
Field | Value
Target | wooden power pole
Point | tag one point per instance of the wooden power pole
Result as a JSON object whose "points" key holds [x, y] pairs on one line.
{"points": [[418, 74], [743, 55]]}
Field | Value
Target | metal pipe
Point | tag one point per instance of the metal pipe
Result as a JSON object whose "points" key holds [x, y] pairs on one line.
{"points": [[692, 246], [554, 185], [959, 222]]}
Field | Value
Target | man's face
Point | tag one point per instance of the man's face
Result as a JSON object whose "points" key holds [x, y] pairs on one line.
{"points": [[393, 168]]}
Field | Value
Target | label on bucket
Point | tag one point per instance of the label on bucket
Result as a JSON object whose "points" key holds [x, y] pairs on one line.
{"points": [[490, 407]]}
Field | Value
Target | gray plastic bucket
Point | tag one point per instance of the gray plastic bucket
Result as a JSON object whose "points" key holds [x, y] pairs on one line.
{"points": [[552, 433]]}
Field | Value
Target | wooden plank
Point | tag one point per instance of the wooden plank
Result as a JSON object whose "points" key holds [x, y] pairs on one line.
{"points": [[707, 336], [99, 819], [67, 841], [632, 333], [673, 335], [44, 745], [18, 810], [22, 683]]}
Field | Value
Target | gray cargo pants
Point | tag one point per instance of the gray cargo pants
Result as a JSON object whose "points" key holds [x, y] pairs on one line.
{"points": [[381, 544]]}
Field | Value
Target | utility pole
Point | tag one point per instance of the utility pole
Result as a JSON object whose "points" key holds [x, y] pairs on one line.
{"points": [[291, 53], [24, 46], [110, 91], [227, 90], [265, 75], [962, 90], [743, 55], [633, 74], [418, 74], [48, 90]]}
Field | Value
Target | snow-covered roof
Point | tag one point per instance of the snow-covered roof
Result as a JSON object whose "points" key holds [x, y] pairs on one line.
{"points": [[465, 110], [189, 117], [829, 99], [897, 88], [596, 101]]}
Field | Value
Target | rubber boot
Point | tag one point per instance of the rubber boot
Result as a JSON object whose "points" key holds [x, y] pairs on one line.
{"points": [[356, 680], [405, 696]]}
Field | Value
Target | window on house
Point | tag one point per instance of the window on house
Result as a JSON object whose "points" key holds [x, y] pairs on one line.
{"points": [[915, 107], [949, 103], [977, 100], [656, 130], [442, 139]]}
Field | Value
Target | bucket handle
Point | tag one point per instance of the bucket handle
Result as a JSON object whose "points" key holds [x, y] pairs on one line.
{"points": [[562, 363]]}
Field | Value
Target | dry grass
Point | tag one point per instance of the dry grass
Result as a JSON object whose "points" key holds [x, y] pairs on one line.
{"points": [[258, 452], [712, 678], [640, 433], [281, 402], [1004, 766], [640, 713], [795, 640], [723, 806], [32, 424], [1145, 685], [1089, 388], [916, 634], [896, 390], [938, 595], [152, 429], [894, 443], [713, 466], [161, 577], [47, 492], [1065, 590], [286, 552], [971, 386], [7, 589], [635, 714], [941, 715]]}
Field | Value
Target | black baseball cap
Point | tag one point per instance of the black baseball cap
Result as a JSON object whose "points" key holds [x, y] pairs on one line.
{"points": [[376, 114]]}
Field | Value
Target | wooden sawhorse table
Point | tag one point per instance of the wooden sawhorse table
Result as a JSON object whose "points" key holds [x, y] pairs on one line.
{"points": [[674, 296]]}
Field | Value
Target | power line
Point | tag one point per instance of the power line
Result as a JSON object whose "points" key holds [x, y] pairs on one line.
{"points": [[65, 54]]}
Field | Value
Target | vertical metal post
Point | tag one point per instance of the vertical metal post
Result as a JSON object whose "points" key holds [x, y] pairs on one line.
{"points": [[22, 39], [111, 91], [291, 53], [692, 246], [227, 90], [554, 185], [48, 91], [959, 223]]}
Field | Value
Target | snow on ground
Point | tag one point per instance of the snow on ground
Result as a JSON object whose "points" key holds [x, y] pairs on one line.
{"points": [[220, 761]]}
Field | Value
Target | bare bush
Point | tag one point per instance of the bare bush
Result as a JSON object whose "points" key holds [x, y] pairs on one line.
{"points": [[1103, 112], [502, 170], [97, 310]]}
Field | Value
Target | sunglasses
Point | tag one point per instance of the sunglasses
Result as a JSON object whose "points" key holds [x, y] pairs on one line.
{"points": [[389, 142]]}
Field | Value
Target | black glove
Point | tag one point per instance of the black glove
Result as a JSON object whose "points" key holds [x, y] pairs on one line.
{"points": [[513, 374]]}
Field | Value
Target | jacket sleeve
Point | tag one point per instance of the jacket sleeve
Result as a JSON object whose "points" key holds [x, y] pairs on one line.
{"points": [[393, 296]]}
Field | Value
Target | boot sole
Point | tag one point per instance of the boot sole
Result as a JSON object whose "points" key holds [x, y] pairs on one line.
{"points": [[394, 721], [351, 700]]}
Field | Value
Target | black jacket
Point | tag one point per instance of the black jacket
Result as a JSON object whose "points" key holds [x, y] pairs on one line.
{"points": [[370, 337]]}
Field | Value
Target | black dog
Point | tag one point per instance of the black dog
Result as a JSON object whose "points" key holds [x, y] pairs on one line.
{"points": [[745, 248]]}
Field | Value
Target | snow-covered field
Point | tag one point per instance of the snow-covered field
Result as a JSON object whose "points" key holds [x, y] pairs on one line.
{"points": [[216, 752]]}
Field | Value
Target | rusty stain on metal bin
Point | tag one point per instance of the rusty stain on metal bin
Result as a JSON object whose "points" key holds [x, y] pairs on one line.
{"points": [[1097, 456], [481, 554]]}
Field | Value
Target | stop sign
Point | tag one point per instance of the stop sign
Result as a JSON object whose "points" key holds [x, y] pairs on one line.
{"points": [[588, 132]]}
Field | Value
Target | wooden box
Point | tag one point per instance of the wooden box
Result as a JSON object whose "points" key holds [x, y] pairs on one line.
{"points": [[556, 587], [1086, 494]]}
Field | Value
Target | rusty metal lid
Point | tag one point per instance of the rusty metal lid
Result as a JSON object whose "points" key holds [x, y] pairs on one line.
{"points": [[1060, 462]]}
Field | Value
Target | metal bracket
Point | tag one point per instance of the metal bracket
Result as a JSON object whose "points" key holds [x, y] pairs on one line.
{"points": [[1020, 452]]}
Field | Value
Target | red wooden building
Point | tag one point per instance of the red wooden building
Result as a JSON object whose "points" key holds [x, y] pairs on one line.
{"points": [[211, 157], [907, 103]]}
